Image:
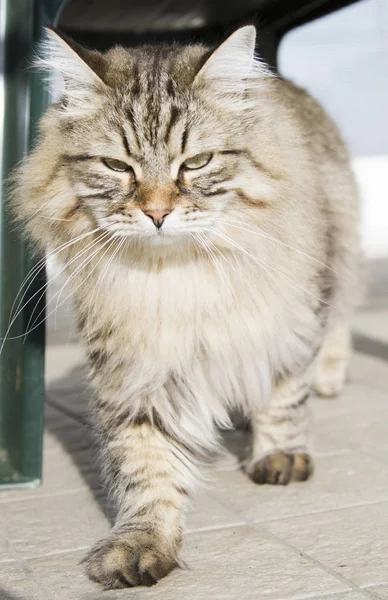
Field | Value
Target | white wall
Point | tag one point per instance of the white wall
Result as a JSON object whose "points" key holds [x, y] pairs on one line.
{"points": [[342, 60]]}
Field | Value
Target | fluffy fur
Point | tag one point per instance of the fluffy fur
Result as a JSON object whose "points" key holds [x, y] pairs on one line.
{"points": [[241, 298]]}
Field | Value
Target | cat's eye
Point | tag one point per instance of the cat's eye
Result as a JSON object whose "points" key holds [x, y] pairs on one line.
{"points": [[116, 165], [198, 161]]}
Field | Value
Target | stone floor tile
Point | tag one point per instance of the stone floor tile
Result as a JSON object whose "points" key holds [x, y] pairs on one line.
{"points": [[339, 480], [353, 542], [380, 591], [70, 392], [352, 433], [49, 524], [352, 595], [52, 534], [18, 583], [65, 577], [372, 323], [208, 513], [238, 563], [347, 422], [61, 360], [228, 564], [205, 512], [5, 553], [69, 431], [61, 473], [368, 369], [69, 459], [356, 398]]}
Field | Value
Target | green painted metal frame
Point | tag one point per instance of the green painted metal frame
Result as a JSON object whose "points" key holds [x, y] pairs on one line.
{"points": [[23, 98]]}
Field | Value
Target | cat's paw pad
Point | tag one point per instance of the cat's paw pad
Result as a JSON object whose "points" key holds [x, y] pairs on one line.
{"points": [[281, 468], [127, 561]]}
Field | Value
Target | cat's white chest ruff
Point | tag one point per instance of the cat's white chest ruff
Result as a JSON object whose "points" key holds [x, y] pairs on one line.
{"points": [[195, 320]]}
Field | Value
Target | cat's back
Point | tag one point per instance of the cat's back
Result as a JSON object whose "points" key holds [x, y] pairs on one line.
{"points": [[327, 153], [316, 126]]}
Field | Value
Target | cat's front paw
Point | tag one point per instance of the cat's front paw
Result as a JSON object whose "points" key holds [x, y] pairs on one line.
{"points": [[130, 559], [281, 468]]}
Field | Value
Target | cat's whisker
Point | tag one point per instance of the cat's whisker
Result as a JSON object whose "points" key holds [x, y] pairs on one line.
{"points": [[277, 318], [34, 326], [216, 262], [32, 275], [120, 245], [73, 274], [41, 263], [45, 286], [258, 261], [261, 233], [262, 263], [248, 285], [41, 208], [55, 218], [89, 247], [229, 262]]}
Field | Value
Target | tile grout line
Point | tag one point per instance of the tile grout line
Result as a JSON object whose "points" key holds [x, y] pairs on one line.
{"points": [[340, 578], [211, 528], [59, 553], [269, 535], [304, 514], [82, 548], [333, 595], [43, 592], [372, 585], [52, 495], [319, 512], [371, 593]]}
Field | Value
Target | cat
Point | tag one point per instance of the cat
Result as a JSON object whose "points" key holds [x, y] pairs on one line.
{"points": [[206, 216]]}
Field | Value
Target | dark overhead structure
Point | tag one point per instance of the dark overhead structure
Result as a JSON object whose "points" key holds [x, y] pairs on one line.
{"points": [[130, 22], [100, 24]]}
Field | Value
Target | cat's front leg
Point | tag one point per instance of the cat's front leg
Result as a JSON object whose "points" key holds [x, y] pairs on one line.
{"points": [[280, 435], [151, 473]]}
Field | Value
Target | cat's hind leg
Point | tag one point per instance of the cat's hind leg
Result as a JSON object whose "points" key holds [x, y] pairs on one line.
{"points": [[280, 430], [332, 361]]}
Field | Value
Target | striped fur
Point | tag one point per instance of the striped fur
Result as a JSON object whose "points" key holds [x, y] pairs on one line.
{"points": [[228, 303]]}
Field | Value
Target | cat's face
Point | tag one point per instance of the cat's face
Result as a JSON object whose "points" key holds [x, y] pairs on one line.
{"points": [[154, 140], [163, 180]]}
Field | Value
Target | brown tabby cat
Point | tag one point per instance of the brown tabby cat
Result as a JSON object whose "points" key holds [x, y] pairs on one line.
{"points": [[206, 215]]}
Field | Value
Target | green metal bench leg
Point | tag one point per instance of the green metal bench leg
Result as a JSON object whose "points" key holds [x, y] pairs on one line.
{"points": [[21, 362]]}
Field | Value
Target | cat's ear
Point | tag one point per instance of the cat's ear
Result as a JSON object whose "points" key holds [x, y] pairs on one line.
{"points": [[79, 68], [233, 66]]}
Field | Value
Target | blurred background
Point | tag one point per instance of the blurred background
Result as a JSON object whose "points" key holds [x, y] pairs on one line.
{"points": [[342, 59]]}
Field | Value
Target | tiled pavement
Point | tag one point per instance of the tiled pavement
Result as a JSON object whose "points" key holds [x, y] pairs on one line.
{"points": [[324, 539]]}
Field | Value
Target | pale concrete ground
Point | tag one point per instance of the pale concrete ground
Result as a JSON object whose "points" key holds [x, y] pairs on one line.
{"points": [[324, 539]]}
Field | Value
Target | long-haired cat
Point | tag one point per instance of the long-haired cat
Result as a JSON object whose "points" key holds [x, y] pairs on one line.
{"points": [[206, 215]]}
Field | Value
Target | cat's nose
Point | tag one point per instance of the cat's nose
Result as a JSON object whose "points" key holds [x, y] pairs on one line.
{"points": [[158, 215]]}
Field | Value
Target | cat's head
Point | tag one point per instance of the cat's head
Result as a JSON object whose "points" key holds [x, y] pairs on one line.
{"points": [[152, 142]]}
